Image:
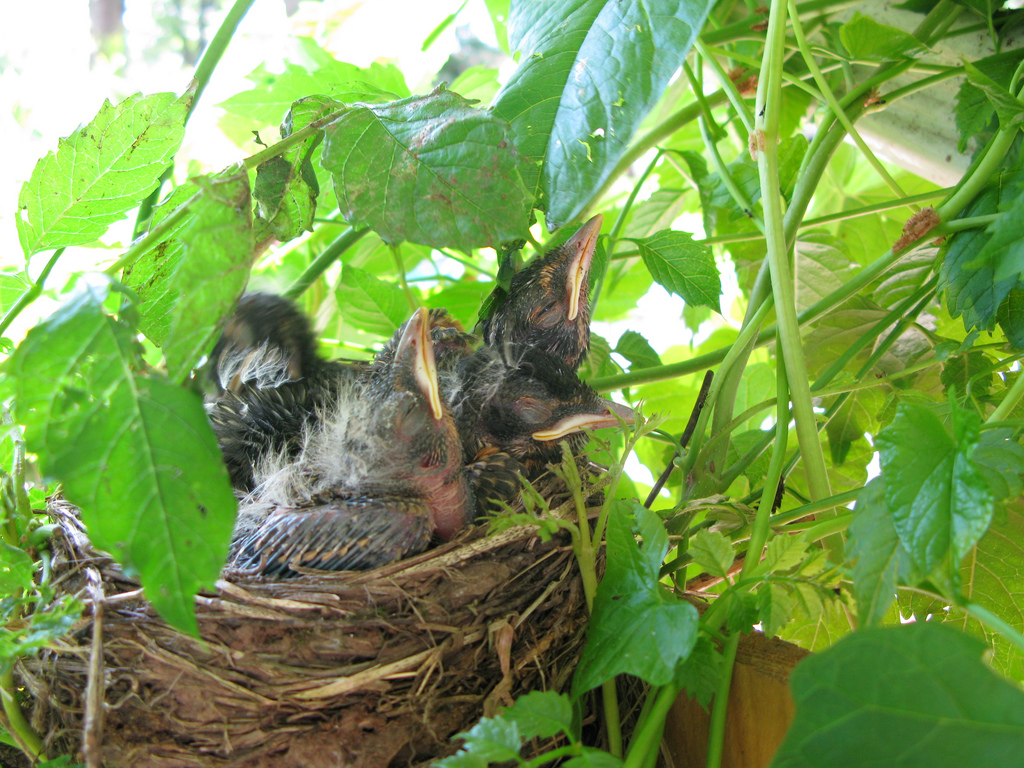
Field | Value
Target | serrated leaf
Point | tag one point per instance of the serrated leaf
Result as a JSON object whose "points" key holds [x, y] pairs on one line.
{"points": [[541, 715], [904, 697], [867, 39], [636, 628], [12, 286], [134, 452], [1007, 106], [100, 172], [274, 94], [152, 276], [878, 555], [969, 282], [775, 605], [701, 672], [637, 350], [857, 415], [992, 576], [784, 552], [939, 500], [214, 270], [429, 169], [369, 303], [973, 110], [589, 73], [713, 552], [682, 266]]}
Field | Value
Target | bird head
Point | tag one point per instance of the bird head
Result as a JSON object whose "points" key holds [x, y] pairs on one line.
{"points": [[524, 401], [425, 445], [548, 302]]}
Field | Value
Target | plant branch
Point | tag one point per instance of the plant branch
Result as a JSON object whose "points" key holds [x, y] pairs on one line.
{"points": [[32, 293], [321, 263]]}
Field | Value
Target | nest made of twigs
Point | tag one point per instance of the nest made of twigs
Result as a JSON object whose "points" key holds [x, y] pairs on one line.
{"points": [[376, 668]]}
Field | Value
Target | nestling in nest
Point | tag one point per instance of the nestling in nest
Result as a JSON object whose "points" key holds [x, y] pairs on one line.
{"points": [[342, 466]]}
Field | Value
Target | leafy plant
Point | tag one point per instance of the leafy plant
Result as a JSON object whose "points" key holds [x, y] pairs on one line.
{"points": [[860, 323]]}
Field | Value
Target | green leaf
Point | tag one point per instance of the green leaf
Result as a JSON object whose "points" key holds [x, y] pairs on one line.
{"points": [[541, 715], [592, 757], [971, 287], [879, 557], [974, 111], [939, 500], [857, 415], [429, 169], [701, 672], [100, 172], [369, 303], [1004, 250], [492, 740], [214, 269], [12, 286], [713, 552], [636, 628], [477, 84], [775, 606], [589, 72], [135, 453], [865, 38], [1008, 107], [784, 552], [904, 697], [274, 94], [992, 576], [682, 266], [637, 350]]}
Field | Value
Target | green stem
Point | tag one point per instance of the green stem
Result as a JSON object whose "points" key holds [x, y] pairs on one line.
{"points": [[468, 264], [620, 222], [716, 730], [154, 236], [649, 729], [32, 293], [727, 85], [819, 529], [769, 109], [22, 731], [833, 103], [1010, 400], [762, 520], [396, 254], [993, 622], [320, 264], [204, 71]]}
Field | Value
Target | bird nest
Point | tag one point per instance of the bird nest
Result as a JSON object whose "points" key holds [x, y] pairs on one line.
{"points": [[373, 668]]}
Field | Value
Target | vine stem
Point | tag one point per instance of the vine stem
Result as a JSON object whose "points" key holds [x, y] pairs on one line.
{"points": [[330, 254], [31, 293], [768, 113], [23, 733], [833, 102], [204, 72], [716, 731], [993, 622], [647, 737]]}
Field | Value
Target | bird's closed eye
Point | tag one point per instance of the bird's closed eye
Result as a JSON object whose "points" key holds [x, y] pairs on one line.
{"points": [[532, 410], [548, 315]]}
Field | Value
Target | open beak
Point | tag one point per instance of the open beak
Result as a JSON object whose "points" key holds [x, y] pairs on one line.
{"points": [[582, 246], [417, 336], [610, 416]]}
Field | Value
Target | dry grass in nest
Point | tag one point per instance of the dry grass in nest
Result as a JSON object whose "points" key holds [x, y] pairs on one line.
{"points": [[366, 669]]}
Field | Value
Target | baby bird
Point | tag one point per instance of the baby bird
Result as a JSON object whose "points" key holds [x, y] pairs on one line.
{"points": [[520, 402], [548, 303], [378, 473]]}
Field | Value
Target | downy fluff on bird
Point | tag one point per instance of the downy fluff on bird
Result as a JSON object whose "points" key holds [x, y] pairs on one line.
{"points": [[350, 465]]}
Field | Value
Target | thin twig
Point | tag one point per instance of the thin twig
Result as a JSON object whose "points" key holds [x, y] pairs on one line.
{"points": [[698, 406]]}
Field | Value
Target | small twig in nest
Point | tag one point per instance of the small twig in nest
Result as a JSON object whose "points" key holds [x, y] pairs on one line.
{"points": [[92, 729]]}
